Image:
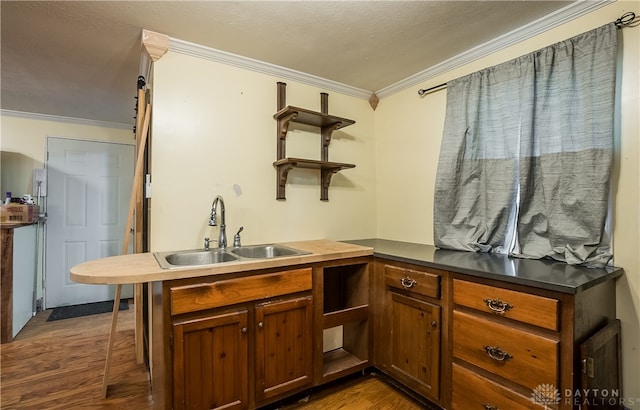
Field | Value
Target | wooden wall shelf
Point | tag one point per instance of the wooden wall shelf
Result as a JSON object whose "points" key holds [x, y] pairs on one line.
{"points": [[327, 124]]}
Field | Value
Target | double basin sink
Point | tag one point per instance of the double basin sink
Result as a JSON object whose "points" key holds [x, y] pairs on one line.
{"points": [[202, 257]]}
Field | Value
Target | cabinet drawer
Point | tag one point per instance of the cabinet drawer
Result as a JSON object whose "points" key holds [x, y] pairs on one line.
{"points": [[423, 283], [472, 391], [522, 357], [523, 307], [202, 296]]}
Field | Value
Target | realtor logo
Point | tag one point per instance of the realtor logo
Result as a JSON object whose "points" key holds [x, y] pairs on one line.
{"points": [[545, 394]]}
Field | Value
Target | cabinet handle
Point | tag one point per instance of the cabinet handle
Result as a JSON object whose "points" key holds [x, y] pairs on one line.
{"points": [[244, 330], [260, 325], [407, 282], [489, 407], [497, 354], [497, 306]]}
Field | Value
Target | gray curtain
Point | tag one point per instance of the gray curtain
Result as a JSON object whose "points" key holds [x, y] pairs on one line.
{"points": [[526, 154]]}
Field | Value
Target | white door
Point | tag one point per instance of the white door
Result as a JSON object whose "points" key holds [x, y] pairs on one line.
{"points": [[88, 191]]}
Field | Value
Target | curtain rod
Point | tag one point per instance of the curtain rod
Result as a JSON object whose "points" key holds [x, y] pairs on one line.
{"points": [[424, 91], [626, 20]]}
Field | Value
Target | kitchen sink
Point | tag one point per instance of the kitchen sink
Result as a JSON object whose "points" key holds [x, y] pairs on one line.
{"points": [[197, 257], [202, 257], [265, 251]]}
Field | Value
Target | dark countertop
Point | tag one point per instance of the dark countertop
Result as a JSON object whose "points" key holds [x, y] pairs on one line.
{"points": [[543, 274]]}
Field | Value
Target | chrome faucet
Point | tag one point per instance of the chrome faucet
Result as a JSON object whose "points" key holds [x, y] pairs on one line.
{"points": [[222, 240]]}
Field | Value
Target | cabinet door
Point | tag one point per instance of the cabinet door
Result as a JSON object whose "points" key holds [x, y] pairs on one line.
{"points": [[283, 346], [210, 362], [414, 350], [602, 366]]}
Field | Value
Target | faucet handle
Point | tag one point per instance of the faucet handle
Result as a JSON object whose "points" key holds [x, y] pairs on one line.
{"points": [[236, 238]]}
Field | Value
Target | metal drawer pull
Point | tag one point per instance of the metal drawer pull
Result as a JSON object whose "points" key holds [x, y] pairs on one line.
{"points": [[244, 330], [407, 282], [489, 407], [497, 306], [497, 354]]}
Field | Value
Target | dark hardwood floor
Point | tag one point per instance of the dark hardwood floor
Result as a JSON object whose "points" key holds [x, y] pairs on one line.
{"points": [[59, 365]]}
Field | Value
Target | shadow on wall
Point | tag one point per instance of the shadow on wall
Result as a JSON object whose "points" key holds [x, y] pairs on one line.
{"points": [[17, 173]]}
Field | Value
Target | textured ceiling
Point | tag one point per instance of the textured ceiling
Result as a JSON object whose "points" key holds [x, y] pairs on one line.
{"points": [[81, 58]]}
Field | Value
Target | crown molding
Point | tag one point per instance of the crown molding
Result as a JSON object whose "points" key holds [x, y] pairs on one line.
{"points": [[548, 22], [207, 53], [68, 120]]}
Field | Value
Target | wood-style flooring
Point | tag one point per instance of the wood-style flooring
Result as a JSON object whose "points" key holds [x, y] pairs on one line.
{"points": [[59, 365]]}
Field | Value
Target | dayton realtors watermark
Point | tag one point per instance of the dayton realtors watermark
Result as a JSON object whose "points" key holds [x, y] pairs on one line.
{"points": [[548, 394]]}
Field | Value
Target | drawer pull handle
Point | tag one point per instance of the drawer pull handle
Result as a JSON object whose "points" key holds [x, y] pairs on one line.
{"points": [[497, 306], [407, 282], [489, 407], [260, 325], [244, 330], [497, 354]]}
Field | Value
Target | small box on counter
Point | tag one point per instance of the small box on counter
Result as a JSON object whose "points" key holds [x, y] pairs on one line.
{"points": [[19, 213]]}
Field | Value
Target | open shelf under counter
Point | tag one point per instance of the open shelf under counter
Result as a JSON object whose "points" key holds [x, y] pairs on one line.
{"points": [[339, 317], [339, 362]]}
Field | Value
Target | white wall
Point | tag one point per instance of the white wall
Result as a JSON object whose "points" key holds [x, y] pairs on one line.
{"points": [[214, 134], [408, 130]]}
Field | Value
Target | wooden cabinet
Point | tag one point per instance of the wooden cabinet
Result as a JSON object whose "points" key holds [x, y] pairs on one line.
{"points": [[211, 358], [229, 334], [517, 346], [414, 336], [410, 330], [211, 362], [463, 341], [284, 343]]}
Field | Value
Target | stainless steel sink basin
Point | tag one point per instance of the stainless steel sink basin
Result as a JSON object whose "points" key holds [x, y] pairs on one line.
{"points": [[197, 257], [265, 251], [203, 257]]}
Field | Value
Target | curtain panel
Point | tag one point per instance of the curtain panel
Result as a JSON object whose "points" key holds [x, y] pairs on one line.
{"points": [[526, 153]]}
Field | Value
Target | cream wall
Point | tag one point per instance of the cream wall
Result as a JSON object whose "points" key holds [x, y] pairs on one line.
{"points": [[23, 144], [214, 134], [408, 130]]}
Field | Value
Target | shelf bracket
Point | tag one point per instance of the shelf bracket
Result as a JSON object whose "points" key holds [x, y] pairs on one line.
{"points": [[283, 124], [327, 132], [325, 176], [283, 172]]}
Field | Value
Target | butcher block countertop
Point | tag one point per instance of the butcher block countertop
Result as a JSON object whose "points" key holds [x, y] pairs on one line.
{"points": [[143, 267]]}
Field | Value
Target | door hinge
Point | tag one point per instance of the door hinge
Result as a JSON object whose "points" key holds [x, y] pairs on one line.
{"points": [[588, 367], [171, 340]]}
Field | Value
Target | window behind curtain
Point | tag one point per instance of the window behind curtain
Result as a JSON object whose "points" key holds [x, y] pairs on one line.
{"points": [[526, 154]]}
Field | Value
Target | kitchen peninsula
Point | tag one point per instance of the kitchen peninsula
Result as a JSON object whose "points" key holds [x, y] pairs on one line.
{"points": [[458, 329]]}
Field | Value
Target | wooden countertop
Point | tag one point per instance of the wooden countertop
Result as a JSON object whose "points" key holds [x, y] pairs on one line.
{"points": [[143, 267]]}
